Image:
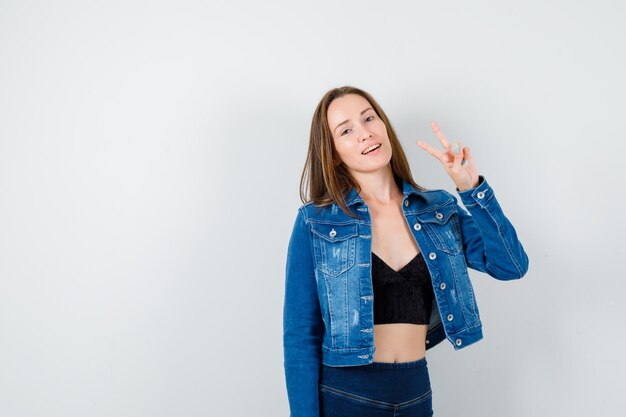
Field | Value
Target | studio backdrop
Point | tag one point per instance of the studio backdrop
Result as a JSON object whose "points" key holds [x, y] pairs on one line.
{"points": [[150, 162]]}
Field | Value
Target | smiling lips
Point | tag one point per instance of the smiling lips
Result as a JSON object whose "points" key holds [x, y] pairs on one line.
{"points": [[371, 148]]}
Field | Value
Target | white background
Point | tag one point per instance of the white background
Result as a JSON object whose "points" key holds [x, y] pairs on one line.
{"points": [[150, 157]]}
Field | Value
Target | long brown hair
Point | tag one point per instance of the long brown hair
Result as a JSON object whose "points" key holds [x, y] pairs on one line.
{"points": [[329, 182]]}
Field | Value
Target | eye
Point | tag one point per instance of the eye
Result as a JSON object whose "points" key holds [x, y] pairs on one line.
{"points": [[366, 119]]}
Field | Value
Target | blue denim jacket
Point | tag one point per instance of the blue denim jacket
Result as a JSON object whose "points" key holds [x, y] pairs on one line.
{"points": [[328, 314]]}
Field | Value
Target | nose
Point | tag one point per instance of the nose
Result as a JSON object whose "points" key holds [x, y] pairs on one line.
{"points": [[365, 135]]}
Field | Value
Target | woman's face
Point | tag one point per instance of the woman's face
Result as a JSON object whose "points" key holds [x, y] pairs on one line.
{"points": [[355, 127]]}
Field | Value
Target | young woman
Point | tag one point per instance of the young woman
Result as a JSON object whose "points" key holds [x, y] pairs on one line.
{"points": [[376, 269]]}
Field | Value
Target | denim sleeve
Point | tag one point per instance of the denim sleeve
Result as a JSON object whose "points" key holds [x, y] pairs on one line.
{"points": [[489, 239], [302, 324]]}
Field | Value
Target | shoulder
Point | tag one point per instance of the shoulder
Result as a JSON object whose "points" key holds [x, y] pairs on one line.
{"points": [[306, 207], [431, 199], [310, 210]]}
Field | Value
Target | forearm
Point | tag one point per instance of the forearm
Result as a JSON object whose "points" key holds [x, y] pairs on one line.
{"points": [[302, 325], [490, 240]]}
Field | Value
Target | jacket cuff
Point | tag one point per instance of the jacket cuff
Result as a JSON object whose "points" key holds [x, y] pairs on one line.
{"points": [[480, 194]]}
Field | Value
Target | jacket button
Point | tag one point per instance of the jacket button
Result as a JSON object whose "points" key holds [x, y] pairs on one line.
{"points": [[480, 194], [442, 285], [406, 203], [332, 233], [458, 342], [439, 216], [432, 255], [450, 317], [417, 226], [427, 341]]}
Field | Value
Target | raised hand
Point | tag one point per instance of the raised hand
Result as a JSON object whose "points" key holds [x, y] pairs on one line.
{"points": [[457, 161]]}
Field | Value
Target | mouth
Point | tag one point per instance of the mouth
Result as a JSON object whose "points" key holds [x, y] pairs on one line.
{"points": [[371, 148]]}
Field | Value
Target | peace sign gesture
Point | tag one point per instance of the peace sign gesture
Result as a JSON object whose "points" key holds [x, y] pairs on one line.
{"points": [[457, 162]]}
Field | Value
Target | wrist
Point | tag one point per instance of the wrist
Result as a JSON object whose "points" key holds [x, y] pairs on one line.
{"points": [[478, 182]]}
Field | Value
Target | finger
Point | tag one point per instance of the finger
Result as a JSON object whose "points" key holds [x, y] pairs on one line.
{"points": [[441, 136], [467, 156], [434, 152], [458, 155]]}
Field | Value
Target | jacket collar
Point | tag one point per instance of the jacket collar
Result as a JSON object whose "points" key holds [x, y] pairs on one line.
{"points": [[407, 189]]}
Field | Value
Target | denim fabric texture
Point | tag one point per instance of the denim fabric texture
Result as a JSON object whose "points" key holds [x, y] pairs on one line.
{"points": [[379, 389], [328, 302]]}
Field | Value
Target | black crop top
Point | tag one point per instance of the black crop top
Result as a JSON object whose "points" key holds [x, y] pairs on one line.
{"points": [[404, 296]]}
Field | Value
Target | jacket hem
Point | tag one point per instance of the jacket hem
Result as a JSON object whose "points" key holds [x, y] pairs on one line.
{"points": [[467, 337], [348, 357]]}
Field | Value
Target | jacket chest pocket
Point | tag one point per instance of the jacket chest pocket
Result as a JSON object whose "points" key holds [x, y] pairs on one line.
{"points": [[334, 246], [443, 228]]}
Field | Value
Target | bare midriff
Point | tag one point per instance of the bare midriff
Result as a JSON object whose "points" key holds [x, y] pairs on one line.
{"points": [[399, 342]]}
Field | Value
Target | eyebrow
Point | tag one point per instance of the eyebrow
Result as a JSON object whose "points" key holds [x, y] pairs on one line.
{"points": [[346, 121]]}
